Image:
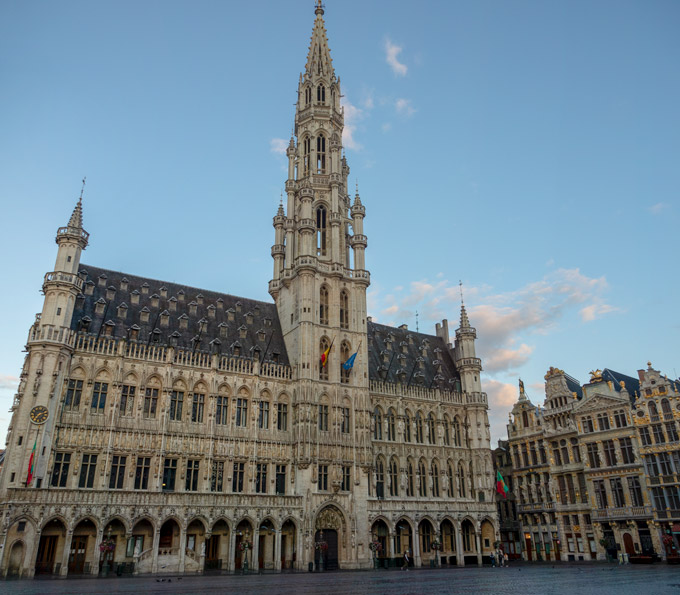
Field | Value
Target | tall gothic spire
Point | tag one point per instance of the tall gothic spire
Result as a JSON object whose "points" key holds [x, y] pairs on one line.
{"points": [[464, 320], [319, 61], [76, 220]]}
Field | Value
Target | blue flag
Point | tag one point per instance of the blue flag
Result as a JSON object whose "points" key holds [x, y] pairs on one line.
{"points": [[350, 361]]}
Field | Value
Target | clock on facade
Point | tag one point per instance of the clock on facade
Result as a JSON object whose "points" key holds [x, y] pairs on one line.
{"points": [[39, 414]]}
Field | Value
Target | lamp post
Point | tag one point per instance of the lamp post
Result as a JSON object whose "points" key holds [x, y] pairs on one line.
{"points": [[322, 546]]}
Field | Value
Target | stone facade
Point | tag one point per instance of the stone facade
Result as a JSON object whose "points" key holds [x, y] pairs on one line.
{"points": [[595, 469], [163, 428]]}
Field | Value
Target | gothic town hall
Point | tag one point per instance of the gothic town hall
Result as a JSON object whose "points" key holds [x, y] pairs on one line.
{"points": [[163, 428]]}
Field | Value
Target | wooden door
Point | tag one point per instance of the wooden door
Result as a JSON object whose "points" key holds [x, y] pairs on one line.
{"points": [[260, 552], [529, 546], [44, 562], [76, 558], [330, 557], [628, 544]]}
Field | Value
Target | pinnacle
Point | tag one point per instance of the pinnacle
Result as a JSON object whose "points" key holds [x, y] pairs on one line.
{"points": [[464, 320], [319, 60], [76, 219]]}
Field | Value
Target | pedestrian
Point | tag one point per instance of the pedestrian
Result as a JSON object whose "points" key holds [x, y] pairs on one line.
{"points": [[406, 560], [505, 559], [493, 559]]}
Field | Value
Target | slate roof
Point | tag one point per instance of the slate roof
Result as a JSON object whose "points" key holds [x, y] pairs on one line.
{"points": [[632, 384], [574, 386], [250, 324], [403, 357]]}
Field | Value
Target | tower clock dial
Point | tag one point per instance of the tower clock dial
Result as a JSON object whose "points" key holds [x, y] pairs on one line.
{"points": [[39, 414]]}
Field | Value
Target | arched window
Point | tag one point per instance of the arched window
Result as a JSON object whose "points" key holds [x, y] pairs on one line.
{"points": [[653, 411], [391, 430], [321, 231], [435, 480], [344, 309], [323, 305], [422, 475], [419, 428], [308, 95], [321, 154], [380, 479], [452, 492], [377, 424], [447, 431], [407, 427], [394, 478], [461, 481], [456, 431], [431, 438], [472, 481], [323, 369], [306, 150], [409, 479], [525, 419], [321, 94], [345, 352], [666, 408]]}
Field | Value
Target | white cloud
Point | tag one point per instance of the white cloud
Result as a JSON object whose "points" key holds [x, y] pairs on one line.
{"points": [[658, 208], [502, 397], [278, 146], [391, 52], [8, 382], [404, 107], [352, 115]]}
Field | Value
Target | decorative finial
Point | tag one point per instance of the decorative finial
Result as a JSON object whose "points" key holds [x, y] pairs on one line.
{"points": [[82, 190], [462, 301], [417, 328], [319, 7]]}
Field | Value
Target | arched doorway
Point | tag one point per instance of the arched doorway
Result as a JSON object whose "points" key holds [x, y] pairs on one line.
{"points": [[265, 549], [16, 559], [139, 548], [403, 539], [195, 542], [628, 544], [448, 541], [288, 546], [168, 546], [425, 539], [113, 548], [467, 531], [329, 529], [243, 546], [216, 546], [52, 534], [380, 534]]}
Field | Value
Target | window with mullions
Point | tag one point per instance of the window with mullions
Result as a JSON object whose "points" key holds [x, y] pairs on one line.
{"points": [[150, 402], [657, 432], [635, 491], [217, 476], [237, 478], [261, 478], [391, 428], [409, 480], [394, 478], [127, 400], [263, 416], [308, 95], [422, 476], [377, 424], [281, 479], [344, 309], [346, 478], [142, 473], [221, 414], [345, 350], [344, 423], [169, 474], [435, 480], [176, 405], [380, 479], [323, 478], [419, 428], [99, 396], [282, 417], [241, 412], [407, 427], [197, 405], [323, 418], [117, 474], [87, 471], [191, 483], [323, 305], [617, 492], [321, 93], [323, 366], [321, 154], [431, 437], [306, 150], [609, 453], [73, 394], [321, 231]]}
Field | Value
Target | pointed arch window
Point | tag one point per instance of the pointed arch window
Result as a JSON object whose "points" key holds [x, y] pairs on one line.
{"points": [[323, 370], [461, 481], [422, 475], [430, 429], [323, 305], [391, 433], [407, 427], [308, 95], [394, 478], [321, 231], [344, 309], [380, 479], [377, 424], [321, 93], [450, 473], [345, 352], [306, 153], [419, 428], [447, 431], [456, 432], [409, 480], [435, 480], [321, 154], [472, 481]]}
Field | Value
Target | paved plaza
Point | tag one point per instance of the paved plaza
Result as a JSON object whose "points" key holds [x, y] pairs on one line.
{"points": [[519, 579]]}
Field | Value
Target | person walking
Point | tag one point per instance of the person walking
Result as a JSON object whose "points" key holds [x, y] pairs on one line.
{"points": [[492, 555], [406, 560], [505, 559]]}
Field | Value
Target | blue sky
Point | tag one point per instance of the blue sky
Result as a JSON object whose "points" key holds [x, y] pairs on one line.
{"points": [[527, 148]]}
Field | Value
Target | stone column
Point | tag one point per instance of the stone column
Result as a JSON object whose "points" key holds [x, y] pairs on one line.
{"points": [[154, 551], [416, 549], [656, 539], [182, 547], [478, 541], [254, 565], [63, 570], [277, 550], [201, 560], [231, 552], [99, 536], [460, 557]]}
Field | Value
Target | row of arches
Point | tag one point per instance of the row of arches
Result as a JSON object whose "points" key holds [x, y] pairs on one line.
{"points": [[416, 427]]}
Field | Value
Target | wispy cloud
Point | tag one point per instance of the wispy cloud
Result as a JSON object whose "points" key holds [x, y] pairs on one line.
{"points": [[502, 396], [658, 208], [392, 52], [278, 146], [352, 115], [404, 107], [8, 382]]}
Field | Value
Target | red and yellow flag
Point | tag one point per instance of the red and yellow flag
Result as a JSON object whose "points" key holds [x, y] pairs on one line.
{"points": [[324, 355]]}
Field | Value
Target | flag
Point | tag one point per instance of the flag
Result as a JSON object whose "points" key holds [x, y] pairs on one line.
{"points": [[501, 488], [324, 355], [31, 464], [349, 364]]}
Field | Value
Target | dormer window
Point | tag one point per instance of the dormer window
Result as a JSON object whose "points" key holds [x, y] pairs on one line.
{"points": [[239, 306], [215, 345], [165, 319], [183, 322], [261, 335], [172, 304], [122, 311], [164, 292], [193, 308], [243, 331], [155, 300], [124, 284], [85, 324], [102, 280], [174, 338], [236, 349], [180, 295], [409, 338], [100, 306], [110, 292], [144, 314], [134, 297], [223, 329], [404, 346], [230, 314], [80, 298], [134, 332], [267, 321], [275, 357], [220, 304], [145, 289], [202, 325], [249, 318], [156, 336], [109, 325], [211, 311], [89, 287], [199, 299]]}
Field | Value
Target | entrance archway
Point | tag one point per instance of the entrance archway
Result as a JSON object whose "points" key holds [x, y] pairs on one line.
{"points": [[426, 537], [448, 542], [113, 532], [330, 522], [52, 534], [628, 544], [380, 533], [403, 539], [288, 546], [216, 546], [243, 545], [265, 549]]}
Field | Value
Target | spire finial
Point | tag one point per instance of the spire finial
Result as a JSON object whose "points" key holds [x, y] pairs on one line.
{"points": [[417, 328], [319, 7], [462, 301], [82, 190]]}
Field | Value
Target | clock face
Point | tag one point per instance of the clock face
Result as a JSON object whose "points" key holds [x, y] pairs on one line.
{"points": [[39, 414]]}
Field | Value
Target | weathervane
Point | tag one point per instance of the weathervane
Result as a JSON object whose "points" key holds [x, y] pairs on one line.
{"points": [[462, 302]]}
